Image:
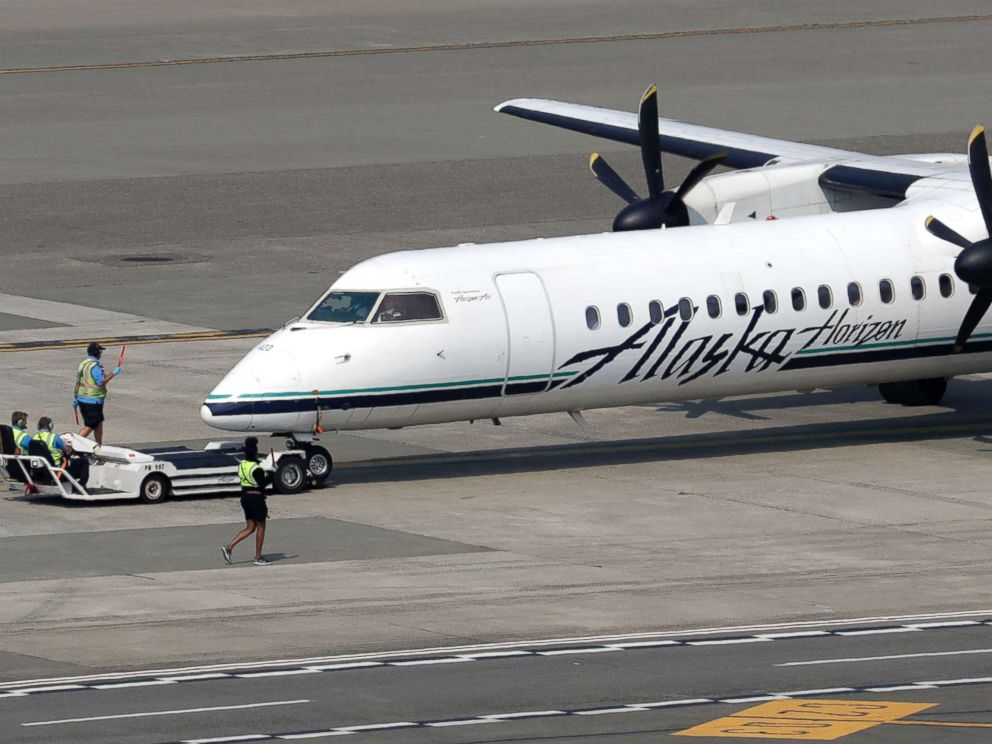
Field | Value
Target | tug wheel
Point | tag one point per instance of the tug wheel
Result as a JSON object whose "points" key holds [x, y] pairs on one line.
{"points": [[154, 489], [290, 475]]}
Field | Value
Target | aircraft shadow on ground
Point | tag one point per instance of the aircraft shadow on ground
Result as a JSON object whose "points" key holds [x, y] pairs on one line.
{"points": [[966, 411]]}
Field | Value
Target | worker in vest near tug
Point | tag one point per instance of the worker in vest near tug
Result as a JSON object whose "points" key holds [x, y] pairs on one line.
{"points": [[77, 467], [253, 482], [91, 392], [19, 425]]}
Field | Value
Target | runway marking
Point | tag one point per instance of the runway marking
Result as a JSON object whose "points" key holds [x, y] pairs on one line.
{"points": [[786, 713], [168, 713], [820, 720], [151, 338], [886, 658], [480, 45], [494, 651]]}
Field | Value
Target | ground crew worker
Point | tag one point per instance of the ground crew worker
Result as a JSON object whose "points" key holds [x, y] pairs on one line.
{"points": [[253, 482], [77, 467], [91, 392], [19, 424]]}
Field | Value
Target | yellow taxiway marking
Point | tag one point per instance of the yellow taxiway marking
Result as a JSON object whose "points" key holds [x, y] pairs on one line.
{"points": [[468, 46], [151, 338], [813, 720]]}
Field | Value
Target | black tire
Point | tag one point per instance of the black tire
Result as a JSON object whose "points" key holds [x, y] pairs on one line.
{"points": [[154, 489], [290, 475], [890, 392], [927, 392], [319, 464]]}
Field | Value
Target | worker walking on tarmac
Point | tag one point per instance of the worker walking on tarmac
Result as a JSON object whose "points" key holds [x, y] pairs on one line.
{"points": [[253, 482], [91, 392], [19, 425]]}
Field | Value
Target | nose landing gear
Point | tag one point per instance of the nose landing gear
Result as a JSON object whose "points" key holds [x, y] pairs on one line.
{"points": [[319, 462]]}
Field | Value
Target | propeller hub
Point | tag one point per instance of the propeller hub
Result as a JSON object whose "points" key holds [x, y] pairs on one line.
{"points": [[668, 210], [974, 264]]}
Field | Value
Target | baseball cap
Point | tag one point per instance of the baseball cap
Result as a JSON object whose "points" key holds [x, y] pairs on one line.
{"points": [[94, 348]]}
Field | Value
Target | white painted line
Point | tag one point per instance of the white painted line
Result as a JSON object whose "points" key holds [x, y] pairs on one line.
{"points": [[142, 683], [314, 735], [957, 624], [949, 682], [822, 691], [13, 694], [527, 643], [281, 673], [876, 631], [645, 644], [569, 651], [464, 722], [197, 677], [798, 634], [221, 739], [727, 641], [169, 713], [352, 665], [855, 659], [675, 703], [378, 726], [424, 662], [604, 711], [495, 654], [524, 714], [51, 688], [899, 688], [755, 699]]}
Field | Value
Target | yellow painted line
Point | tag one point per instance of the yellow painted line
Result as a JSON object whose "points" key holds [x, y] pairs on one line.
{"points": [[153, 338], [470, 46], [811, 720]]}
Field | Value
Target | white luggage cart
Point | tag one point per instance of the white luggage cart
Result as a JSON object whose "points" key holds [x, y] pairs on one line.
{"points": [[152, 475]]}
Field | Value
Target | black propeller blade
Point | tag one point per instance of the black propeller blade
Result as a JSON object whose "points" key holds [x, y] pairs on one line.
{"points": [[660, 208], [974, 263]]}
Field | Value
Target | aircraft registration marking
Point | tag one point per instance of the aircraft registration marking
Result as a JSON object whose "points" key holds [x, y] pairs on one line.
{"points": [[813, 720]]}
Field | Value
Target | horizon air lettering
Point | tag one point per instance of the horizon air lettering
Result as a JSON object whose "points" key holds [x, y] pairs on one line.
{"points": [[688, 359]]}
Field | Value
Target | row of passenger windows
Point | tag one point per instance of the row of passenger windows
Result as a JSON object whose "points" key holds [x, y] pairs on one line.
{"points": [[769, 300]]}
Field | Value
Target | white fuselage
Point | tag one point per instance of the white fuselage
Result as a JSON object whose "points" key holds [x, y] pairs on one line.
{"points": [[515, 338]]}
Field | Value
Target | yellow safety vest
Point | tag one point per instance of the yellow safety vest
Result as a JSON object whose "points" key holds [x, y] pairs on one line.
{"points": [[48, 438], [247, 473], [88, 387], [19, 436]]}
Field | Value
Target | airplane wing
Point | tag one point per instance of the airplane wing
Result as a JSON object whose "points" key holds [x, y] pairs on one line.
{"points": [[846, 170]]}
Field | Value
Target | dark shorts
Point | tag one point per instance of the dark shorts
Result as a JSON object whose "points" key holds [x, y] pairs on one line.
{"points": [[92, 414], [254, 507]]}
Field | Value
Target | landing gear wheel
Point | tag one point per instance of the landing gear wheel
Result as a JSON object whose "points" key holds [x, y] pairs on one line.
{"points": [[290, 475], [320, 464], [927, 392], [154, 489]]}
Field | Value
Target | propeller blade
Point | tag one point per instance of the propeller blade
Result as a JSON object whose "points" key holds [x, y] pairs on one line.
{"points": [[647, 126], [611, 179], [697, 174], [979, 306], [939, 230], [981, 179]]}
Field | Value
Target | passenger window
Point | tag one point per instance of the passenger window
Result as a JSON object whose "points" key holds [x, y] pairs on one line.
{"points": [[741, 303], [946, 283], [798, 299], [685, 308], [344, 307], [825, 296], [886, 291], [623, 314], [918, 287], [592, 318], [713, 306], [655, 311], [854, 294], [770, 301]]}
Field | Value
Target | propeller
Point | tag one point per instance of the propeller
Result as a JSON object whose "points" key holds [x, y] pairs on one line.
{"points": [[660, 208], [974, 263]]}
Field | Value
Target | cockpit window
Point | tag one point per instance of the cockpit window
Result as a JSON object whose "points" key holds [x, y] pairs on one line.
{"points": [[397, 307], [344, 307]]}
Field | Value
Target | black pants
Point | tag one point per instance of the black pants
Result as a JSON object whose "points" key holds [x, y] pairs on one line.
{"points": [[79, 468]]}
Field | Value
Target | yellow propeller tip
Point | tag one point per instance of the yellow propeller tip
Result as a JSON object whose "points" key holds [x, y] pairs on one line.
{"points": [[593, 158], [651, 91], [976, 132], [930, 219]]}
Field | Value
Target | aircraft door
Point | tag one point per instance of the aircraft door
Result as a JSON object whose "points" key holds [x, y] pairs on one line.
{"points": [[530, 333]]}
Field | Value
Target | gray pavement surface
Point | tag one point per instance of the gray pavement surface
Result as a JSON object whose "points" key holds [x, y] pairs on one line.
{"points": [[284, 172]]}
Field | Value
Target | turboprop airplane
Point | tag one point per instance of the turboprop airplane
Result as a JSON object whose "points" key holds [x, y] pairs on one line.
{"points": [[802, 267]]}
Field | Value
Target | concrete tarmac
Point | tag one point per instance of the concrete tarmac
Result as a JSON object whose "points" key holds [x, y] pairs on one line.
{"points": [[131, 195]]}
